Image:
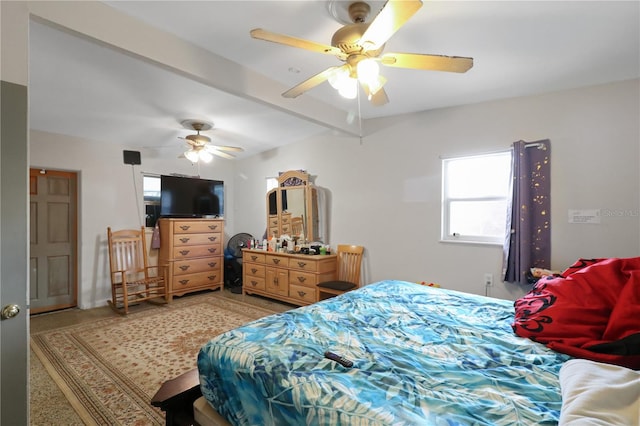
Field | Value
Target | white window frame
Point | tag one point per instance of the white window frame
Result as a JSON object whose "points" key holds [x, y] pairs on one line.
{"points": [[154, 201], [448, 234]]}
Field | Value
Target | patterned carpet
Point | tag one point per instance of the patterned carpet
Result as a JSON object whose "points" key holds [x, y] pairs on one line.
{"points": [[109, 369]]}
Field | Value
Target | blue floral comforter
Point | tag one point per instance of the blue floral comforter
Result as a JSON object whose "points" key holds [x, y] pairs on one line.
{"points": [[421, 356]]}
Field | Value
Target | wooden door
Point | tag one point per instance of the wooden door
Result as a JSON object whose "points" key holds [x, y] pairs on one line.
{"points": [[53, 232], [14, 335]]}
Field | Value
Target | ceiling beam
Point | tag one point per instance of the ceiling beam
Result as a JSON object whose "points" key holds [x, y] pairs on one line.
{"points": [[112, 28]]}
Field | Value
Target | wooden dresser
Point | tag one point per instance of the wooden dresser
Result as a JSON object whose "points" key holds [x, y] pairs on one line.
{"points": [[291, 278], [192, 249]]}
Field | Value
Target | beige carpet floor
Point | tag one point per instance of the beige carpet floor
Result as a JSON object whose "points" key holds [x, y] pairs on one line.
{"points": [[97, 367]]}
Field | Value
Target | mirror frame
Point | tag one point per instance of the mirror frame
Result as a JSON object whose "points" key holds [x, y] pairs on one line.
{"points": [[281, 221]]}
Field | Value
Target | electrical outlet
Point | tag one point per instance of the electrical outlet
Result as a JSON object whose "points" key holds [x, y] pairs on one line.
{"points": [[488, 279]]}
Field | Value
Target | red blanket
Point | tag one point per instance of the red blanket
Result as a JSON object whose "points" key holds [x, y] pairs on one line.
{"points": [[592, 311]]}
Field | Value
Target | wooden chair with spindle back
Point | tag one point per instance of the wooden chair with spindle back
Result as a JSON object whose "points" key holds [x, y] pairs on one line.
{"points": [[132, 279], [349, 264]]}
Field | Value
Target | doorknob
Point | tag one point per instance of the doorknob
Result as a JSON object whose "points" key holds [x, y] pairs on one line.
{"points": [[10, 311]]}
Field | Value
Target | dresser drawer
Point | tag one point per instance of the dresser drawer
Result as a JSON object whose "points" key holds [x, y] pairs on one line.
{"points": [[303, 293], [303, 278], [254, 283], [253, 257], [254, 270], [273, 221], [275, 260], [186, 252], [196, 280], [182, 267], [310, 265], [196, 239], [196, 227]]}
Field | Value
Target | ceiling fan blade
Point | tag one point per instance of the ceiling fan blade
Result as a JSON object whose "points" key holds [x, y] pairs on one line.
{"points": [[427, 62], [220, 153], [378, 96], [393, 15], [310, 83], [227, 148], [260, 34]]}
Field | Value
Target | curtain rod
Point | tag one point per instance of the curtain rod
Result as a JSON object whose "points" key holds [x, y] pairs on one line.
{"points": [[539, 145]]}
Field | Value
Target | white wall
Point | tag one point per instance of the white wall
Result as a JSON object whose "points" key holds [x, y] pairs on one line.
{"points": [[385, 191], [108, 191]]}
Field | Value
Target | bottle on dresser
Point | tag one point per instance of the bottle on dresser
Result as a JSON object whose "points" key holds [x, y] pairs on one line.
{"points": [[273, 242]]}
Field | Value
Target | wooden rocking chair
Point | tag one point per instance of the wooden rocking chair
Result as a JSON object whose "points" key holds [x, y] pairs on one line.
{"points": [[132, 279]]}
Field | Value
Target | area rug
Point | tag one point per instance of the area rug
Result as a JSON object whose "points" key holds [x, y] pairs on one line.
{"points": [[111, 368]]}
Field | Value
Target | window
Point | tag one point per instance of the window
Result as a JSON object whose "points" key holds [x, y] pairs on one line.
{"points": [[475, 196], [151, 195], [272, 182]]}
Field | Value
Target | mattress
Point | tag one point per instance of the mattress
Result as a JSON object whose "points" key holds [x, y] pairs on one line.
{"points": [[421, 355]]}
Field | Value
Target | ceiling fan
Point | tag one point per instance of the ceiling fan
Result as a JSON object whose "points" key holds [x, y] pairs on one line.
{"points": [[359, 45], [200, 146]]}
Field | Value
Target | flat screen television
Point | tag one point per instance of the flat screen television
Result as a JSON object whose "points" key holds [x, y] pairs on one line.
{"points": [[191, 197]]}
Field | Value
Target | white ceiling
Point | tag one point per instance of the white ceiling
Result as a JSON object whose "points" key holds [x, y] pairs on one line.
{"points": [[85, 89]]}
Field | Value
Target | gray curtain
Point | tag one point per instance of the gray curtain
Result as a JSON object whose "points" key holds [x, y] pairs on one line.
{"points": [[528, 240]]}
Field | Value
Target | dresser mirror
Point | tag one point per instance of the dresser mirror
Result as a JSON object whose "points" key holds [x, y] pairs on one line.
{"points": [[292, 207]]}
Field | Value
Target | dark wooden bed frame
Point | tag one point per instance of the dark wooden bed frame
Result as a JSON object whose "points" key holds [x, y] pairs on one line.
{"points": [[176, 397]]}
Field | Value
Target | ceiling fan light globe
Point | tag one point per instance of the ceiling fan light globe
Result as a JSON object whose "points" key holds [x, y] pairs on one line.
{"points": [[205, 156], [338, 77], [368, 71], [349, 89], [191, 156], [376, 85]]}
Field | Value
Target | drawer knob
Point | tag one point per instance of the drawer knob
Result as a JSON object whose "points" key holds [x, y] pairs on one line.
{"points": [[212, 277], [212, 239], [212, 250], [183, 282], [213, 227], [254, 258], [184, 267], [253, 283], [302, 279], [301, 293], [302, 264], [254, 270], [184, 252], [276, 261], [212, 264], [185, 227], [184, 240]]}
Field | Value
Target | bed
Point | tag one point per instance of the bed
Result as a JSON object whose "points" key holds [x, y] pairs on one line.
{"points": [[421, 355]]}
